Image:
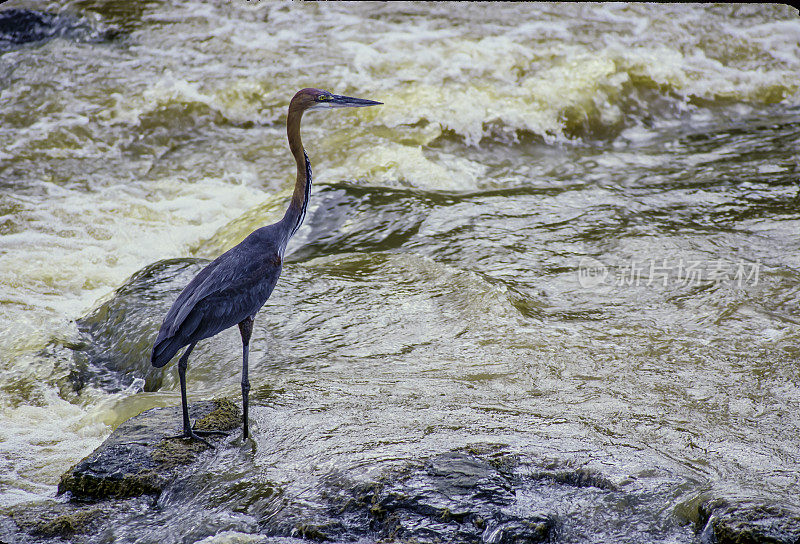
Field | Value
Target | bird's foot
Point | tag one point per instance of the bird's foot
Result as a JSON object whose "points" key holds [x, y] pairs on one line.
{"points": [[196, 434], [192, 435], [209, 433]]}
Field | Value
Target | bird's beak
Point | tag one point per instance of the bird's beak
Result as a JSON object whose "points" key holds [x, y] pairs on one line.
{"points": [[338, 101]]}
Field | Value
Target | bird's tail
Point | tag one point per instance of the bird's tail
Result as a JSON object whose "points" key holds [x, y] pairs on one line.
{"points": [[164, 350]]}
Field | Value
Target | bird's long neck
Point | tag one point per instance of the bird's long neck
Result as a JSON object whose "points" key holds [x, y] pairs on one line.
{"points": [[302, 186]]}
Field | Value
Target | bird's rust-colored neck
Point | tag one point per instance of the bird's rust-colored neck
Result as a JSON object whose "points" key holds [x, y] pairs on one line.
{"points": [[302, 186], [296, 146]]}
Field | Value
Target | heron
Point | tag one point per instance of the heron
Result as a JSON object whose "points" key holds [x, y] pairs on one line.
{"points": [[235, 285]]}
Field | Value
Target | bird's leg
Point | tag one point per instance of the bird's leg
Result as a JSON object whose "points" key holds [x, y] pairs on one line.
{"points": [[187, 429], [246, 328], [188, 432]]}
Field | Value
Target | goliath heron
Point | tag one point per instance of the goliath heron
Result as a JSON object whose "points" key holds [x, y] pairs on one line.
{"points": [[233, 287]]}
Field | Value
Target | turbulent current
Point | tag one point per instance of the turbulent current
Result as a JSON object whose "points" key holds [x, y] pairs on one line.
{"points": [[570, 234]]}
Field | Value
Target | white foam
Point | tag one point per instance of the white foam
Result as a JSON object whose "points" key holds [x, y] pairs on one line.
{"points": [[38, 442], [74, 249]]}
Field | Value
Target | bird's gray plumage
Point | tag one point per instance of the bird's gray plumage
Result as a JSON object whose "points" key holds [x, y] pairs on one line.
{"points": [[231, 288]]}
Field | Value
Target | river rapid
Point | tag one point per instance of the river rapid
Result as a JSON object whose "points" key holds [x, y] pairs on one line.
{"points": [[570, 232]]}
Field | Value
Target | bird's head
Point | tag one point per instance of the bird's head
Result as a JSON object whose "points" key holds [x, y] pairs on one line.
{"points": [[317, 99]]}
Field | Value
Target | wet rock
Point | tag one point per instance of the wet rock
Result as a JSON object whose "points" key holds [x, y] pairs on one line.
{"points": [[467, 496], [53, 519], [18, 26], [457, 497], [577, 478], [21, 26], [117, 337], [748, 523], [138, 460], [453, 497]]}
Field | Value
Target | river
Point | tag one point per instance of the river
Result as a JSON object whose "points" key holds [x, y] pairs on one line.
{"points": [[571, 231]]}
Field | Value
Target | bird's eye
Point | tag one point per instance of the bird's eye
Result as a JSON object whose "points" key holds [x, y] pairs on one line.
{"points": [[323, 97]]}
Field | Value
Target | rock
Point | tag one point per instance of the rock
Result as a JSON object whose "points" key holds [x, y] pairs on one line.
{"points": [[452, 497], [53, 519], [117, 337], [137, 459], [457, 497], [748, 523], [18, 26], [486, 496], [578, 478], [21, 26]]}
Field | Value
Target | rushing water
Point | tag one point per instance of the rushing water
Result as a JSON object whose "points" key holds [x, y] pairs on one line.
{"points": [[571, 230]]}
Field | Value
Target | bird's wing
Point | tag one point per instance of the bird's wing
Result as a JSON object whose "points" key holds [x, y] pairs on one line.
{"points": [[231, 288], [240, 298]]}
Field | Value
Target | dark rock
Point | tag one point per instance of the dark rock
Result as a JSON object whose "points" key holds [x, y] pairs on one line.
{"points": [[578, 478], [453, 497], [117, 337], [137, 459], [18, 26], [21, 26], [457, 497], [52, 519], [468, 496], [514, 531], [749, 523]]}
